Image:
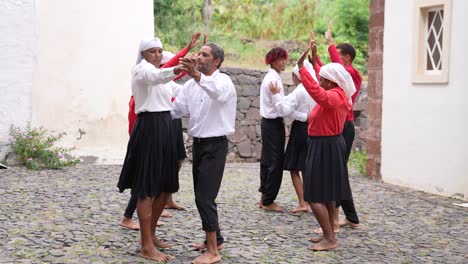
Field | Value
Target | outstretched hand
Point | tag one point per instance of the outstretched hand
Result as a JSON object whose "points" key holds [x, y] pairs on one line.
{"points": [[189, 65], [328, 34], [300, 61], [193, 41]]}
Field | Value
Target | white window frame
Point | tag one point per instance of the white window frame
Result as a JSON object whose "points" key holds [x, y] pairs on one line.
{"points": [[420, 73]]}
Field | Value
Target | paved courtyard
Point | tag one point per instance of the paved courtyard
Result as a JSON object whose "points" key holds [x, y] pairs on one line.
{"points": [[71, 216]]}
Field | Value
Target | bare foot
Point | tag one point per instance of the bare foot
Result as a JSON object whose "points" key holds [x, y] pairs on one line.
{"points": [[348, 223], [166, 214], [207, 258], [319, 230], [260, 204], [201, 246], [299, 209], [316, 239], [273, 207], [154, 254], [160, 244], [129, 223], [323, 245], [160, 223], [174, 205]]}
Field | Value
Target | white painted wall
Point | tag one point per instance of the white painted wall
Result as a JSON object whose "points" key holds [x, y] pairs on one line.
{"points": [[85, 51], [424, 126], [17, 53]]}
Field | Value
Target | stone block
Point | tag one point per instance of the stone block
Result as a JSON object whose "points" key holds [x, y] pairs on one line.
{"points": [[377, 19], [243, 103], [256, 102], [238, 135], [257, 151], [250, 132], [240, 115], [248, 79], [245, 149], [253, 114], [377, 5], [249, 90]]}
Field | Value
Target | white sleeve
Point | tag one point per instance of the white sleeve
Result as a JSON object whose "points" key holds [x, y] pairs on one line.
{"points": [[219, 88], [281, 104], [153, 76]]}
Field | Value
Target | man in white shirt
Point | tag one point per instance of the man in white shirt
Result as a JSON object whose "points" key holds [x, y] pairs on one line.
{"points": [[210, 100], [273, 133]]}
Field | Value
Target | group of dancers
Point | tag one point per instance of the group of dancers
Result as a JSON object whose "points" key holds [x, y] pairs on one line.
{"points": [[319, 144]]}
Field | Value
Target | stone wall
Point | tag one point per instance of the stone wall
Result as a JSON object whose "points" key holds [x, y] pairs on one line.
{"points": [[375, 71], [245, 144]]}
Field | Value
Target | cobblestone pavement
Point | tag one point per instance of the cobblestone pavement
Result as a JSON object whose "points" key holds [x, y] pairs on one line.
{"points": [[71, 216]]}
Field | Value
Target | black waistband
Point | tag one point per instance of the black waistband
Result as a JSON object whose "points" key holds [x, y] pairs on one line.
{"points": [[273, 119], [154, 113], [208, 139]]}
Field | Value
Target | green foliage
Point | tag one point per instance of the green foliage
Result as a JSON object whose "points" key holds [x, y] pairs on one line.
{"points": [[35, 147], [238, 25], [357, 161]]}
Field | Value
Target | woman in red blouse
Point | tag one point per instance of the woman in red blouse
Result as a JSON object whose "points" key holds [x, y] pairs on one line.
{"points": [[326, 176]]}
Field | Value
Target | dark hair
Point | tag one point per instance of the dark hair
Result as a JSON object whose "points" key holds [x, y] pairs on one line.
{"points": [[347, 49], [216, 51], [276, 53]]}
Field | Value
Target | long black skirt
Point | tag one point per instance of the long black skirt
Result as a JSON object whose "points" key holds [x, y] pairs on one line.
{"points": [[179, 138], [296, 151], [150, 165], [326, 176]]}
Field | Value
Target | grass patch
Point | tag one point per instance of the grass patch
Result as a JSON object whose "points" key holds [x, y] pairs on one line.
{"points": [[357, 161]]}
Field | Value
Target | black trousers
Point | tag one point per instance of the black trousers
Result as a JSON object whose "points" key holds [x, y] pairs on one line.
{"points": [[131, 207], [348, 205], [271, 164], [209, 159]]}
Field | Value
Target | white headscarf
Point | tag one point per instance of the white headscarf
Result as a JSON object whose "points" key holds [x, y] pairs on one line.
{"points": [[147, 44], [167, 55], [308, 67], [336, 73]]}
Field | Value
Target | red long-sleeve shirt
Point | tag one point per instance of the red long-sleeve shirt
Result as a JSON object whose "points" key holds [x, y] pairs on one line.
{"points": [[329, 115], [357, 79], [174, 61]]}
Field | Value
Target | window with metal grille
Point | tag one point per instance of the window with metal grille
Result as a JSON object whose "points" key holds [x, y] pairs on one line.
{"points": [[434, 38], [432, 41]]}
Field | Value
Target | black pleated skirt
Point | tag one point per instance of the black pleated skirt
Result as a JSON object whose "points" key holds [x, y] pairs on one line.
{"points": [[179, 138], [326, 176], [150, 165], [296, 151]]}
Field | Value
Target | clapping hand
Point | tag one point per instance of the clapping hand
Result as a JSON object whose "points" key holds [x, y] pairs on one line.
{"points": [[273, 87]]}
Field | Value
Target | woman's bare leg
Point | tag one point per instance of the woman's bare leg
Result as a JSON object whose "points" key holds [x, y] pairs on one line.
{"points": [[321, 212], [297, 183], [145, 215]]}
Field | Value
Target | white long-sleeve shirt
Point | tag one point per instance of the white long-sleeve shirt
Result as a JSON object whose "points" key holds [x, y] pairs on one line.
{"points": [[297, 104], [267, 108], [152, 88], [211, 104]]}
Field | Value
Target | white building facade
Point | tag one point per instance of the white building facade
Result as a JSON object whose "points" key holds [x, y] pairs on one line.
{"points": [[65, 65], [424, 141]]}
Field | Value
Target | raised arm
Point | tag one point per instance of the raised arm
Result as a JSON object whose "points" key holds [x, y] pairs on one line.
{"points": [[334, 55], [174, 61], [151, 75], [321, 96]]}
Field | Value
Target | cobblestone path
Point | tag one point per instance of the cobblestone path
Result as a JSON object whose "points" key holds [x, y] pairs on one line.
{"points": [[71, 216]]}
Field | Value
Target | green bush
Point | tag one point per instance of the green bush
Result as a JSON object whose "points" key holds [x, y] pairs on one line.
{"points": [[236, 23], [35, 148], [357, 161]]}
